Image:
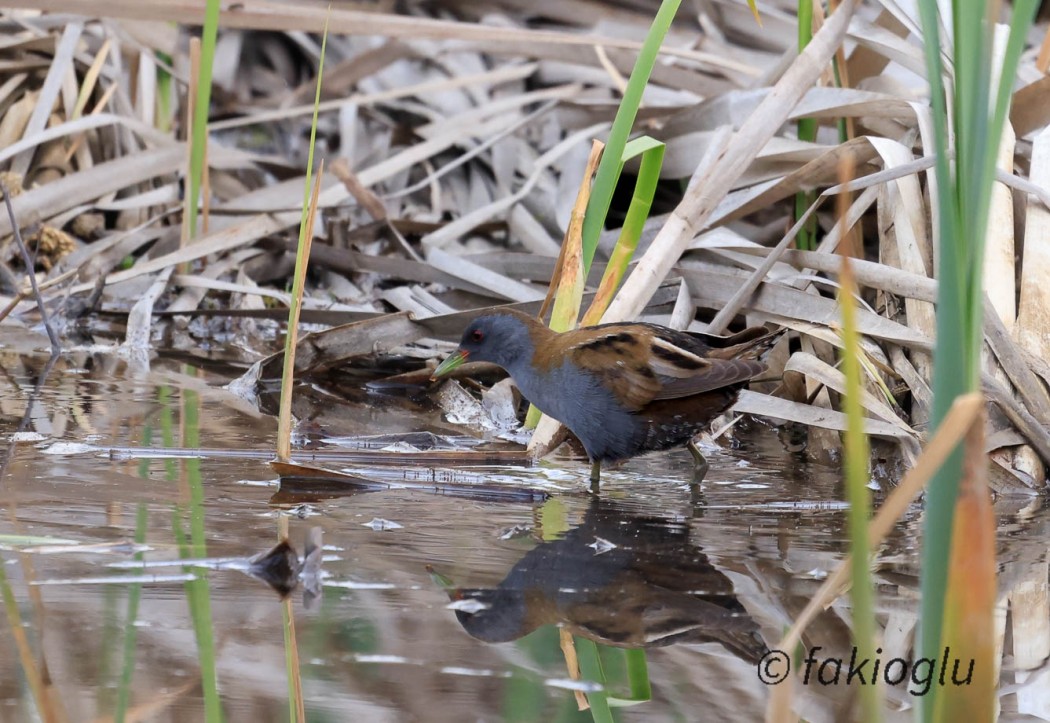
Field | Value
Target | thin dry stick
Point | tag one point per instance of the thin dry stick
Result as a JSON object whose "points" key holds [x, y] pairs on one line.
{"points": [[617, 78], [284, 418], [572, 664], [741, 296], [205, 192], [12, 305], [56, 347], [365, 197], [371, 203]]}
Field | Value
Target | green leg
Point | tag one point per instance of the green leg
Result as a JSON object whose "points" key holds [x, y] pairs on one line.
{"points": [[701, 463], [596, 473]]}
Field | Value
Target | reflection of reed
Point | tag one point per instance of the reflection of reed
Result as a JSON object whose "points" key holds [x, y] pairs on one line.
{"points": [[618, 579]]}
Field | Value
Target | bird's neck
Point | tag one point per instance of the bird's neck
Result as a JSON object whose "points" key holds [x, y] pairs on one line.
{"points": [[534, 370]]}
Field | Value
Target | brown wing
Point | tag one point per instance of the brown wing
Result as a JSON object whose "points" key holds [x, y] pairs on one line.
{"points": [[721, 373], [617, 354], [641, 364], [683, 373]]}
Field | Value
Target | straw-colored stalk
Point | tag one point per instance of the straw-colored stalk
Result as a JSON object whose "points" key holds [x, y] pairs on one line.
{"points": [[198, 137], [302, 260], [572, 664], [311, 196], [296, 702]]}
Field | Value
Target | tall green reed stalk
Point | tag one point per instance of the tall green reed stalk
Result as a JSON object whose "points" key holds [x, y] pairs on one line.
{"points": [[971, 133], [311, 190], [857, 459], [199, 129], [302, 260], [807, 131], [198, 590]]}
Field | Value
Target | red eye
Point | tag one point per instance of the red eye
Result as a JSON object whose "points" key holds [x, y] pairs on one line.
{"points": [[477, 335]]}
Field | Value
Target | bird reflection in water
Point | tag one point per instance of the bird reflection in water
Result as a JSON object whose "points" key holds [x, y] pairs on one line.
{"points": [[618, 579]]}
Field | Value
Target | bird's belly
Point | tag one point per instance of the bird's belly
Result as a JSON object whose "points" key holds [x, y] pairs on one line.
{"points": [[607, 430], [591, 412]]}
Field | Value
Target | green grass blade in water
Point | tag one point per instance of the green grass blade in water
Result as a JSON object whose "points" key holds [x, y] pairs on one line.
{"points": [[857, 460], [609, 169]]}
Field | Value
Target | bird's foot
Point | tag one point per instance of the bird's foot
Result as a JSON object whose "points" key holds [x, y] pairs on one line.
{"points": [[596, 473]]}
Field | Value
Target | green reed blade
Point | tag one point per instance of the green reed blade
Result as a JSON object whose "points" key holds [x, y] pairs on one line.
{"points": [[591, 670], [963, 200], [609, 168], [651, 152], [858, 476], [199, 132], [807, 131]]}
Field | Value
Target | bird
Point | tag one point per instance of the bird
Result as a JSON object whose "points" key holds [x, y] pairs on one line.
{"points": [[624, 388]]}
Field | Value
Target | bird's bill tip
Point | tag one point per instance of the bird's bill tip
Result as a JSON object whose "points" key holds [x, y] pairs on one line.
{"points": [[452, 361]]}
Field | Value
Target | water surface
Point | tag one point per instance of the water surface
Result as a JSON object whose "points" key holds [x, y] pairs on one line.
{"points": [[703, 580]]}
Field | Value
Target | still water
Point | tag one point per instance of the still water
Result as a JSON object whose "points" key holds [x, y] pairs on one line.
{"points": [[426, 606]]}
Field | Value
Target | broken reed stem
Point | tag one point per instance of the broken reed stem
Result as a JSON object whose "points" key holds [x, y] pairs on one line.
{"points": [[284, 419], [574, 231], [567, 282], [572, 664], [27, 259]]}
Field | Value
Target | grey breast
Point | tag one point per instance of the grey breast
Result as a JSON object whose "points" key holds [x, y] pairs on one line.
{"points": [[606, 430]]}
